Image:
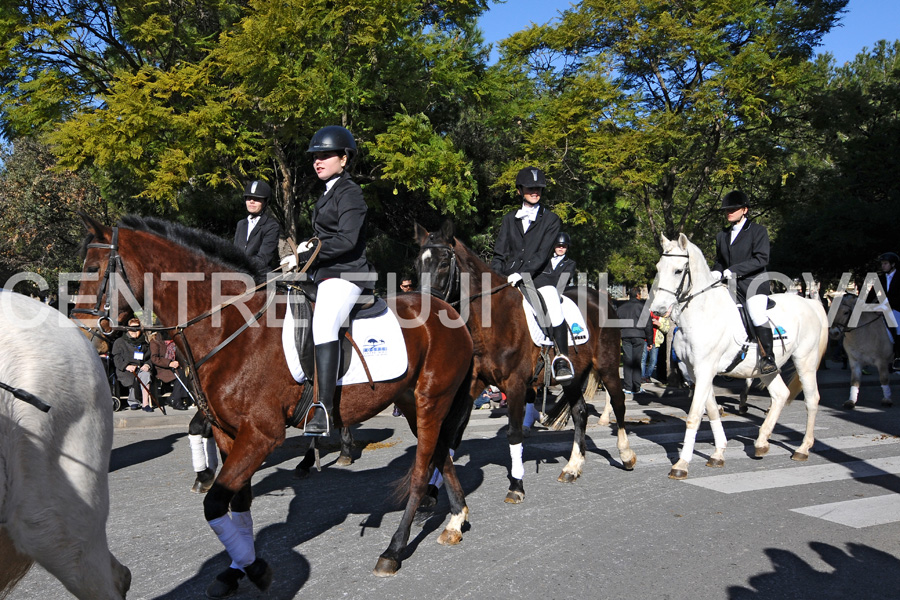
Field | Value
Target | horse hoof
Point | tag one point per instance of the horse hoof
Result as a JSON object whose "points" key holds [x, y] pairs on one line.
{"points": [[849, 405], [762, 451], [629, 464], [603, 421], [677, 474], [260, 573], [301, 473], [716, 463], [450, 538], [514, 497], [743, 410], [566, 477], [886, 402], [386, 567], [799, 456], [344, 461]]}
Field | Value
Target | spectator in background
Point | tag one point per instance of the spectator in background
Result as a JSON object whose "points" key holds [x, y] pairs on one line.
{"points": [[162, 355], [131, 355], [635, 339]]}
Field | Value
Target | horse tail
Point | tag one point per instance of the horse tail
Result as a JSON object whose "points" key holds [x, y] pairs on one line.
{"points": [[13, 565]]}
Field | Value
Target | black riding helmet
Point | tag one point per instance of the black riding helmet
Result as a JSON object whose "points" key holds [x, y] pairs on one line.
{"points": [[562, 239], [735, 199], [258, 189], [531, 177], [333, 138], [890, 257]]}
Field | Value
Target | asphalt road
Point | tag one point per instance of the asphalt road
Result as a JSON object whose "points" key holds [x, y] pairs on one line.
{"points": [[757, 529]]}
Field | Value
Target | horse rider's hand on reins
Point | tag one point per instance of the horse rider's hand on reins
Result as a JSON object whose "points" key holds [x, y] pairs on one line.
{"points": [[514, 279]]}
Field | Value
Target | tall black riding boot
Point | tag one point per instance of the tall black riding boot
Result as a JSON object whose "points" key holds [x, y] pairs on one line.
{"points": [[327, 356], [561, 362], [767, 364]]}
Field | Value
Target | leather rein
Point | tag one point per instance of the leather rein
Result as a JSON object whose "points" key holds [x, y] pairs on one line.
{"points": [[682, 293]]}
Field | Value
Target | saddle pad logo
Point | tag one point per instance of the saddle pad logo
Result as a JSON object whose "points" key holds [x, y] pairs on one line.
{"points": [[578, 332], [779, 333], [373, 347]]}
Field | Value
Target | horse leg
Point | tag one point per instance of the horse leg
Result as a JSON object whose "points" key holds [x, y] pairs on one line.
{"points": [[743, 408], [459, 512], [884, 377], [807, 374], [389, 562], [515, 397], [345, 459], [703, 394], [616, 399], [779, 393], [855, 378], [244, 456], [713, 411], [573, 469]]}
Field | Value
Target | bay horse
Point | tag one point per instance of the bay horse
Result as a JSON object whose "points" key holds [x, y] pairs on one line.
{"points": [[866, 343], [710, 341], [54, 465], [505, 355], [247, 389]]}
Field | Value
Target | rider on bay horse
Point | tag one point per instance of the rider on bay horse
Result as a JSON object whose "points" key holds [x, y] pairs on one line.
{"points": [[891, 302], [742, 253], [523, 248]]}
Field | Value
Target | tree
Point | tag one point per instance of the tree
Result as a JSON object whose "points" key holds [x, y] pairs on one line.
{"points": [[670, 104]]}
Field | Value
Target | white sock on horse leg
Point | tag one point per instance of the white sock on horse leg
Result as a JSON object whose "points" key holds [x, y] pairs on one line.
{"points": [[687, 451], [886, 390], [854, 393], [244, 523], [211, 451], [198, 453], [718, 433], [518, 469], [241, 553], [531, 415], [437, 480]]}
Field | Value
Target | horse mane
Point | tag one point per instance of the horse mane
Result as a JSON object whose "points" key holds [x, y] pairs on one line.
{"points": [[697, 261], [210, 246]]}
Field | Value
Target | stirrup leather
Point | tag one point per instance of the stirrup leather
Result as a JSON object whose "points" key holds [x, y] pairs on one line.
{"points": [[318, 406], [565, 359]]}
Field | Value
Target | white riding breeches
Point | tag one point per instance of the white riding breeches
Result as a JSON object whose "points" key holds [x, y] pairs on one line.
{"points": [[334, 299], [554, 304], [756, 309]]}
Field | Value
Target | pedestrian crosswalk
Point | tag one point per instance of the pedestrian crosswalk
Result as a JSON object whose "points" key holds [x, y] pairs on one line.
{"points": [[662, 448]]}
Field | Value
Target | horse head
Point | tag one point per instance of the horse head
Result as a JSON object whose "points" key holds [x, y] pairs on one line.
{"points": [[436, 264], [680, 268], [846, 304]]}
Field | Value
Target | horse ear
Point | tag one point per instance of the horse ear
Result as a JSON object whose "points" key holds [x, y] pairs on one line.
{"points": [[663, 240], [683, 241], [100, 232], [447, 230], [420, 234]]}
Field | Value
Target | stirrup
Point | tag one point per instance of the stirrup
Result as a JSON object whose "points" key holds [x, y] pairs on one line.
{"points": [[327, 432], [763, 364], [568, 363]]}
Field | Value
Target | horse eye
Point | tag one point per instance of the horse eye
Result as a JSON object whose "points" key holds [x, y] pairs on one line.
{"points": [[679, 271], [93, 269]]}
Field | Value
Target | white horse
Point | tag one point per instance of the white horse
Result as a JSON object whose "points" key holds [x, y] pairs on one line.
{"points": [[710, 341], [54, 492], [868, 343]]}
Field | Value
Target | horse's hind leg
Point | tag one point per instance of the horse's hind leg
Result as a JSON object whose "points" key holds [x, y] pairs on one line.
{"points": [[884, 377], [855, 378], [459, 512], [345, 459], [779, 394], [807, 377], [573, 469], [389, 562], [616, 399], [713, 411]]}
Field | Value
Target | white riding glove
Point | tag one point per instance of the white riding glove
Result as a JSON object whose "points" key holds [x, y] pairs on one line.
{"points": [[289, 263], [514, 279], [304, 247], [716, 275], [728, 274]]}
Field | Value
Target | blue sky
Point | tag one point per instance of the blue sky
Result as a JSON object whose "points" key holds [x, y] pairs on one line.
{"points": [[864, 23]]}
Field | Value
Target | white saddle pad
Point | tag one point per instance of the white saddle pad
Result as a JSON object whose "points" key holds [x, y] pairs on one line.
{"points": [[779, 335], [380, 340], [578, 332]]}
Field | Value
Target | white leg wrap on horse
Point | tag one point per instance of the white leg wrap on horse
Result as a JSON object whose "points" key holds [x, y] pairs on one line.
{"points": [[854, 393], [244, 523], [886, 390], [718, 433], [198, 452], [234, 540], [687, 451], [518, 469], [212, 453], [531, 415], [437, 480]]}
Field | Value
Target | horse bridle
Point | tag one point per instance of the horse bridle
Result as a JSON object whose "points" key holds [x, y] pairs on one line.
{"points": [[679, 293], [846, 327], [452, 277]]}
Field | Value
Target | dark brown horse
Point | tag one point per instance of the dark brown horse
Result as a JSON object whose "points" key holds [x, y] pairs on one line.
{"points": [[505, 355], [251, 394]]}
